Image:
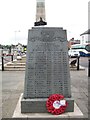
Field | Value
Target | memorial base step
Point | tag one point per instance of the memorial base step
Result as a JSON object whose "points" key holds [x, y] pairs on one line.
{"points": [[39, 105], [46, 116]]}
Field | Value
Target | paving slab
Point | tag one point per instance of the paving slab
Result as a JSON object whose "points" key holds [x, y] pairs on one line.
{"points": [[13, 84], [17, 113]]}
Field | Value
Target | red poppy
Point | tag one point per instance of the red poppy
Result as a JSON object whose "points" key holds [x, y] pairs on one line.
{"points": [[56, 104]]}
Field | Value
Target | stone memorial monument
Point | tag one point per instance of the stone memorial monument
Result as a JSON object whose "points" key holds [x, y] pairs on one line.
{"points": [[47, 68], [40, 13]]}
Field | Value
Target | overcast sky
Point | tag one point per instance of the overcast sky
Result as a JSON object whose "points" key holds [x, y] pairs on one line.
{"points": [[17, 16]]}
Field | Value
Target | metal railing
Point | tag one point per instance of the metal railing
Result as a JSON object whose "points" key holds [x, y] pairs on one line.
{"points": [[74, 62], [4, 59], [78, 63]]}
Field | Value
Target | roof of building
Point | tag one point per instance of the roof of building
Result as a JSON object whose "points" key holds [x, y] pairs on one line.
{"points": [[86, 32]]}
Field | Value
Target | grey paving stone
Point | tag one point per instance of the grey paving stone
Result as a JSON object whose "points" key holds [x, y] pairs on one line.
{"points": [[18, 81]]}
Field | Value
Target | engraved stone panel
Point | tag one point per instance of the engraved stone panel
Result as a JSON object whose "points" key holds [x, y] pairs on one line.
{"points": [[47, 66]]}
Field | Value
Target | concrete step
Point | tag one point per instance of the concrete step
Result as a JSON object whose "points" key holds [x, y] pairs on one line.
{"points": [[14, 68], [16, 64], [20, 61]]}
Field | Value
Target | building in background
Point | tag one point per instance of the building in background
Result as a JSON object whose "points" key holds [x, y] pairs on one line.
{"points": [[85, 37], [86, 34], [72, 41], [19, 48]]}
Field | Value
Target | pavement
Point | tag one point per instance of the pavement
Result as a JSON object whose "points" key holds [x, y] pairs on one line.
{"points": [[13, 86], [17, 113]]}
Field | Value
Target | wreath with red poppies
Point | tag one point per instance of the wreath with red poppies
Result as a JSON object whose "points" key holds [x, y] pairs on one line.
{"points": [[56, 104]]}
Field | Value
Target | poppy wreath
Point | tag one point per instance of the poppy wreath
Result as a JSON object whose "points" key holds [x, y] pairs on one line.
{"points": [[56, 104]]}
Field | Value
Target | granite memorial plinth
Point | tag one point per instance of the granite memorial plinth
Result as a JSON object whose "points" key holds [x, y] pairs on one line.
{"points": [[47, 69]]}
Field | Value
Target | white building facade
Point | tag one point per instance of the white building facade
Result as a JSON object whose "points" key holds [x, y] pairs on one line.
{"points": [[86, 37]]}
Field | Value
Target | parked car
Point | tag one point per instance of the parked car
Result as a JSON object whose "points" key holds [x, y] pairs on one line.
{"points": [[73, 53]]}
